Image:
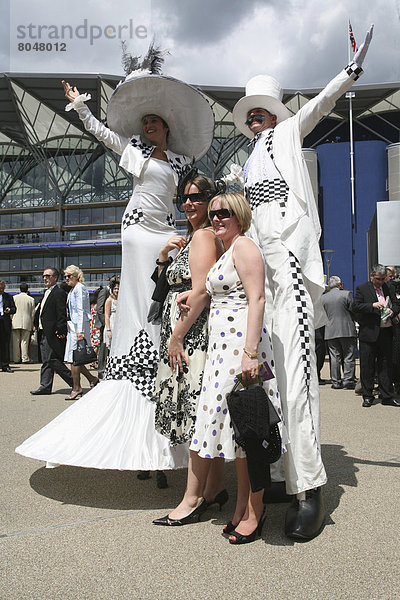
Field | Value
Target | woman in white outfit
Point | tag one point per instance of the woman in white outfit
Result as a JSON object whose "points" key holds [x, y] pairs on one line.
{"points": [[157, 125], [78, 327], [110, 309]]}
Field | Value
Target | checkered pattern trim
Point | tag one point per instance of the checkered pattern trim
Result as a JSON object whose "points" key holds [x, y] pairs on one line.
{"points": [[144, 148], [179, 165], [170, 220], [255, 139], [304, 330], [266, 191], [139, 366], [132, 217], [268, 143], [353, 71]]}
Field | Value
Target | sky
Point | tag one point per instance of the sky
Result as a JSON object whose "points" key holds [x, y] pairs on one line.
{"points": [[303, 43]]}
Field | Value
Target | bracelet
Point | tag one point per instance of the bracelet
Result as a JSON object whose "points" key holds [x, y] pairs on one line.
{"points": [[108, 329], [163, 263], [250, 354]]}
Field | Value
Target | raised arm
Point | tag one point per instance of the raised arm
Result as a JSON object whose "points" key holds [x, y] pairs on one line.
{"points": [[109, 138], [203, 254], [311, 113]]}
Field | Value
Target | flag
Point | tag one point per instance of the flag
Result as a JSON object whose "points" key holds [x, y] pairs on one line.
{"points": [[352, 39]]}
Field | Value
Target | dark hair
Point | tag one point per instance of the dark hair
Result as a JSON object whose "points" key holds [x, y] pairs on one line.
{"points": [[23, 287], [113, 283], [54, 271]]}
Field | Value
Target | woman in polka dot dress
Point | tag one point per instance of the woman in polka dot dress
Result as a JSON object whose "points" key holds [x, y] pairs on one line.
{"points": [[238, 341]]}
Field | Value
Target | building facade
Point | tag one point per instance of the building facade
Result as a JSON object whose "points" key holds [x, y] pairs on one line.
{"points": [[62, 194]]}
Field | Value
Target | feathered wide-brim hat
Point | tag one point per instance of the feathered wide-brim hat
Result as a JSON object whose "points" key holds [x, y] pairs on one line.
{"points": [[185, 109], [262, 91]]}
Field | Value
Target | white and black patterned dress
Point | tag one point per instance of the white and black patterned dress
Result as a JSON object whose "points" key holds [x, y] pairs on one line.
{"points": [[177, 395], [213, 436], [112, 426]]}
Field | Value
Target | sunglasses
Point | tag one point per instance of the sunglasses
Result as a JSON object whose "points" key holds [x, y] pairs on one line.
{"points": [[68, 276], [194, 198], [221, 213], [258, 118]]}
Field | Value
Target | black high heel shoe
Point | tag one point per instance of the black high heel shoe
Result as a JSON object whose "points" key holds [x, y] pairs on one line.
{"points": [[193, 516], [238, 538], [221, 498], [228, 528]]}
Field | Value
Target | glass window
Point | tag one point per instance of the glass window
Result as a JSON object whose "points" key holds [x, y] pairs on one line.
{"points": [[15, 263], [119, 211], [109, 214], [50, 218], [108, 260], [38, 219], [96, 261], [16, 220], [84, 216], [72, 217], [5, 221], [97, 215], [27, 219], [4, 264], [26, 263]]}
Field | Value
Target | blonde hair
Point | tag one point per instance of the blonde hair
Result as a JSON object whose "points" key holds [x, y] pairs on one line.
{"points": [[76, 272], [239, 206]]}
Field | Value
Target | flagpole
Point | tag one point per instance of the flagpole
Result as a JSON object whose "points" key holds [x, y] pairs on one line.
{"points": [[350, 96]]}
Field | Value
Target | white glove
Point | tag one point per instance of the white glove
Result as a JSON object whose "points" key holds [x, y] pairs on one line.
{"points": [[362, 51], [235, 175], [78, 101]]}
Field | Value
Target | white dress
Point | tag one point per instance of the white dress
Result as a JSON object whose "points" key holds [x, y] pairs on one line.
{"points": [[112, 426], [79, 319], [107, 340], [213, 436]]}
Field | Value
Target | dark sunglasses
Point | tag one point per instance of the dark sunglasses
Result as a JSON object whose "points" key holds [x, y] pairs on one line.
{"points": [[258, 118], [195, 198], [221, 213]]}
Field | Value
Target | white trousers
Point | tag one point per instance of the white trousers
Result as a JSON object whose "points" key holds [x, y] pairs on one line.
{"points": [[290, 316], [20, 339]]}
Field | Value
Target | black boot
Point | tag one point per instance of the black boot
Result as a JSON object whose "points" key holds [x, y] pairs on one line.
{"points": [[305, 518]]}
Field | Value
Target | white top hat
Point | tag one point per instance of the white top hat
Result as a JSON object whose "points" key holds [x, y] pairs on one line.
{"points": [[185, 109], [262, 91]]}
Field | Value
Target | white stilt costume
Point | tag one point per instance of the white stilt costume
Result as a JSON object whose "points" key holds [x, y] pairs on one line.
{"points": [[286, 226], [112, 426]]}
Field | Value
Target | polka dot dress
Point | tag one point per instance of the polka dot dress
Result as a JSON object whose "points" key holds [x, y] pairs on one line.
{"points": [[213, 435]]}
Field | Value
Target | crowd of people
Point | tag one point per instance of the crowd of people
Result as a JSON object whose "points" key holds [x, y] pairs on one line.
{"points": [[238, 298]]}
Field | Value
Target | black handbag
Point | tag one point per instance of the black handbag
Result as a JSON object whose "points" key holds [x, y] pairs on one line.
{"points": [[160, 293], [255, 424], [83, 354]]}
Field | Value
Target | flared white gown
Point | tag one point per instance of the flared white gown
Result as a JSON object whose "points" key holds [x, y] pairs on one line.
{"points": [[112, 426]]}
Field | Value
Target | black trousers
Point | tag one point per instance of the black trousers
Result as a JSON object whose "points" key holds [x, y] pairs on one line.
{"points": [[377, 355], [5, 335], [52, 364]]}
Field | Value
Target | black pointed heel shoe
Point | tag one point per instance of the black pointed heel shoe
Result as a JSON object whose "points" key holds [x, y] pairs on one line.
{"points": [[192, 517], [221, 498], [238, 538], [229, 528]]}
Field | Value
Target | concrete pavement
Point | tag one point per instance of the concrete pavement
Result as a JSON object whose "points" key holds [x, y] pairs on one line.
{"points": [[84, 534]]}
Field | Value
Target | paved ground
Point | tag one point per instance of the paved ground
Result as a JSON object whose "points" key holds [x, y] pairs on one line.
{"points": [[74, 534]]}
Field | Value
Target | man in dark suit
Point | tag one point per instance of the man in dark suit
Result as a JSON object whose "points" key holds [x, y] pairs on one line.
{"points": [[51, 324], [371, 305], [7, 308], [340, 334]]}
